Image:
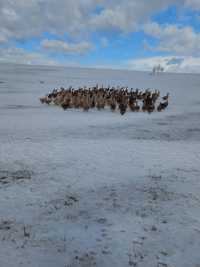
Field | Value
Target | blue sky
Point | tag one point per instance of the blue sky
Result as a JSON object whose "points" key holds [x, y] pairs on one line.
{"points": [[94, 33]]}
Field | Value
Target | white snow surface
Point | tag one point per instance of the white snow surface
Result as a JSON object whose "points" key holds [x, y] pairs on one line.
{"points": [[97, 188]]}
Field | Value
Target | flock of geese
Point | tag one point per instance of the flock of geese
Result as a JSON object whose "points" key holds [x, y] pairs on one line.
{"points": [[120, 98]]}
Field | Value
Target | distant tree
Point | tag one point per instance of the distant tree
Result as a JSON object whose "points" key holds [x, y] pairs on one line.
{"points": [[157, 69]]}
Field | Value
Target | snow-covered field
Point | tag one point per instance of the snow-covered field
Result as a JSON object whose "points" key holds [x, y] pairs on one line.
{"points": [[97, 188]]}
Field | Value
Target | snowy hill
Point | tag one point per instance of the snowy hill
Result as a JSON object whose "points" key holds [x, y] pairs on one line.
{"points": [[97, 188]]}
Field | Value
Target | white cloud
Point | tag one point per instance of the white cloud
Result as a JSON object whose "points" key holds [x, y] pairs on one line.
{"points": [[61, 46], [194, 4], [113, 19], [4, 35], [170, 64], [3, 38], [19, 55], [27, 18], [126, 16], [174, 39]]}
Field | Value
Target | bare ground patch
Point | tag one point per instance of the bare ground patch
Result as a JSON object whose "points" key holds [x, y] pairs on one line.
{"points": [[10, 177]]}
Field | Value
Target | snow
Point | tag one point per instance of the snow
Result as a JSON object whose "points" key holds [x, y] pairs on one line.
{"points": [[97, 188]]}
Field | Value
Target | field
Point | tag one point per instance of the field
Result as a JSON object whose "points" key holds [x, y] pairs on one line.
{"points": [[97, 188]]}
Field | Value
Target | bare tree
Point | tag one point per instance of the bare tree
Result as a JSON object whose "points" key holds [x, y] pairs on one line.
{"points": [[157, 69]]}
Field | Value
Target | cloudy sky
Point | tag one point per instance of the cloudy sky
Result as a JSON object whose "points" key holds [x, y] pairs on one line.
{"points": [[130, 34]]}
